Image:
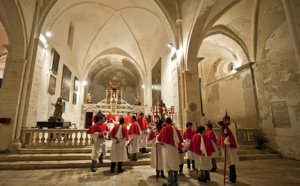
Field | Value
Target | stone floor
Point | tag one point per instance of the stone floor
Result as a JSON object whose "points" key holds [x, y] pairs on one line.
{"points": [[256, 172]]}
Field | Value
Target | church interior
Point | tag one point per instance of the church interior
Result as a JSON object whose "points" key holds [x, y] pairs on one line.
{"points": [[62, 61]]}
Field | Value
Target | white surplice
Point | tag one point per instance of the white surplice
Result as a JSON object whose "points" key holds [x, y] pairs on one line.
{"points": [[118, 151]]}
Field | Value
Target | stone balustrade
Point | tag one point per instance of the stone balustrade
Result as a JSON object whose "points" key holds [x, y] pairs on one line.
{"points": [[244, 136], [55, 138]]}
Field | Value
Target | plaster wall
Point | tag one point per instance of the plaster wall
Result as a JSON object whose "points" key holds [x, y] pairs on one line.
{"points": [[277, 77], [58, 41], [224, 94]]}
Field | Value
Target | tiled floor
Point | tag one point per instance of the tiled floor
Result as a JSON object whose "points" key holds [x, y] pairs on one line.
{"points": [[256, 173]]}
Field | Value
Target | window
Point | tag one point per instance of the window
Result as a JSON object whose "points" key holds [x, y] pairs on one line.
{"points": [[231, 67]]}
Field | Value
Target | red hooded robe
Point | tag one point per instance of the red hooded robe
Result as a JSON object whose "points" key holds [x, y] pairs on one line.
{"points": [[195, 145]]}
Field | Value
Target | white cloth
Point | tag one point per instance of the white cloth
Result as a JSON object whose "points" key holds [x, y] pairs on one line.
{"points": [[134, 147], [175, 137], [202, 162], [143, 142], [202, 146], [99, 147], [170, 157], [188, 154], [159, 155], [118, 151], [231, 154], [110, 125], [215, 154], [181, 158]]}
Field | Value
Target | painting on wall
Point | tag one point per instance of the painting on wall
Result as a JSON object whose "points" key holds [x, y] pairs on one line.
{"points": [[65, 83], [55, 61], [76, 84], [51, 85], [156, 83], [74, 98]]}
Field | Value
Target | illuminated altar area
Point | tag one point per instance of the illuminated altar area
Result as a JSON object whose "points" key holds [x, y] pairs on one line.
{"points": [[112, 103]]}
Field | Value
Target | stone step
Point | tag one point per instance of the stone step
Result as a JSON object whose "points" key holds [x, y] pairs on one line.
{"points": [[61, 151], [87, 156], [29, 165], [56, 157]]}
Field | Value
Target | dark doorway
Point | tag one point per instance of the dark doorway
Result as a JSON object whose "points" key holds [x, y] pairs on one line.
{"points": [[88, 119]]}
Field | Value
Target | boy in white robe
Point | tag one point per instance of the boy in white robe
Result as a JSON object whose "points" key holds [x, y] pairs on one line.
{"points": [[170, 137], [119, 135], [202, 149]]}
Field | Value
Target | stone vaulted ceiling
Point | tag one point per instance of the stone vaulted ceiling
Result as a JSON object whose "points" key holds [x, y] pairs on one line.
{"points": [[132, 26]]}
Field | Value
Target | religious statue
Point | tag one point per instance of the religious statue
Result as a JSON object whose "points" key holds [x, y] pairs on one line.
{"points": [[58, 108], [162, 107], [137, 100], [89, 97]]}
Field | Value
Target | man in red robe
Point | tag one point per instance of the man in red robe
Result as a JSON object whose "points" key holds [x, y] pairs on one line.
{"points": [[119, 135], [98, 131], [152, 137], [202, 149], [143, 126], [122, 116], [170, 137], [128, 118], [227, 139], [134, 138], [110, 119], [212, 136], [187, 136]]}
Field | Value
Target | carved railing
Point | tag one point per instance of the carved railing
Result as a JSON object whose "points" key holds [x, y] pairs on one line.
{"points": [[55, 138], [244, 136]]}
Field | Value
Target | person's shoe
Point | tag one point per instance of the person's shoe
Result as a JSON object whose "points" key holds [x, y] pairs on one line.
{"points": [[166, 184], [208, 179], [111, 171], [133, 160], [200, 179], [120, 171], [181, 174], [175, 183], [93, 169], [163, 176]]}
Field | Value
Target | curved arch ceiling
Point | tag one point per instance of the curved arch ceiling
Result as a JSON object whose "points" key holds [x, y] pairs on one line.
{"points": [[130, 25], [107, 68]]}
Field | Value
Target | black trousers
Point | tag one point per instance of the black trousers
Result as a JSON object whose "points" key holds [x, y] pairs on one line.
{"points": [[232, 174], [113, 164], [181, 168], [189, 164]]}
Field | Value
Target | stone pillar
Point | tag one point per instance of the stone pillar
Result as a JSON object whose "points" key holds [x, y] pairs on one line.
{"points": [[192, 98], [26, 79], [176, 92], [10, 98], [249, 93]]}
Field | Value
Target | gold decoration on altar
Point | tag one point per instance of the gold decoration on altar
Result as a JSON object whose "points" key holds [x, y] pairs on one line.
{"points": [[114, 92]]}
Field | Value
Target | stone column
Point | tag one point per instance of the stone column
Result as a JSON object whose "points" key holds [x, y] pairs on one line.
{"points": [[192, 98], [26, 79], [250, 96], [10, 98], [176, 92]]}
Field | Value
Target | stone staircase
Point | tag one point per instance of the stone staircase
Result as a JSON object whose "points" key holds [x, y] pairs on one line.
{"points": [[35, 158]]}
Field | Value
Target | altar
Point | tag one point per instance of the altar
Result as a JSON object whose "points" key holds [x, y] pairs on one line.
{"points": [[112, 103]]}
